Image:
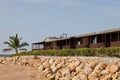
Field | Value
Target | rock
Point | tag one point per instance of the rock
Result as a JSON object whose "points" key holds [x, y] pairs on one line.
{"points": [[105, 72], [65, 71], [76, 78], [73, 65], [83, 77], [87, 70], [92, 65], [108, 67], [93, 76], [54, 68], [114, 68], [51, 76], [58, 75], [80, 68], [47, 71], [108, 77], [116, 76], [51, 61], [59, 66], [100, 67], [80, 77], [68, 77], [46, 64], [3, 62], [41, 68]]}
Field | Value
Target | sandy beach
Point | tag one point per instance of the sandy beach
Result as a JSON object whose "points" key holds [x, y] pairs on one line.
{"points": [[18, 72]]}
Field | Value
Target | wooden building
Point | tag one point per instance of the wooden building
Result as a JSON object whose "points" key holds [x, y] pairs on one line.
{"points": [[108, 38]]}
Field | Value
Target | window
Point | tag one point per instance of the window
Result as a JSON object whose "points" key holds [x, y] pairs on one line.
{"points": [[99, 38], [68, 42], [93, 40], [79, 41], [58, 43], [114, 36], [64, 42]]}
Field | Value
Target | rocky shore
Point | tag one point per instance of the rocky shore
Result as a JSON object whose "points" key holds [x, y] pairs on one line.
{"points": [[70, 68]]}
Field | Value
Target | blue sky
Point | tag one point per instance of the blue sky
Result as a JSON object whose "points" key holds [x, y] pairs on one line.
{"points": [[36, 19]]}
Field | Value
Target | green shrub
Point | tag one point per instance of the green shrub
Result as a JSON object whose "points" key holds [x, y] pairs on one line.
{"points": [[113, 51]]}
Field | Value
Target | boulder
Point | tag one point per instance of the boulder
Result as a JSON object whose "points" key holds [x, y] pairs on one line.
{"points": [[114, 68], [65, 71]]}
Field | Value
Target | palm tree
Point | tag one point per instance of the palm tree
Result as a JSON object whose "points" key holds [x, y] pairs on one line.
{"points": [[14, 43]]}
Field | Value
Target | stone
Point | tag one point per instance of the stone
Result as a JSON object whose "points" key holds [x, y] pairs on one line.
{"points": [[68, 77], [65, 71], [59, 66], [51, 61], [87, 70], [51, 76], [91, 64], [105, 72], [47, 71], [108, 77], [58, 75], [116, 75], [73, 65], [100, 67], [76, 78], [41, 68], [94, 75], [83, 77], [114, 68], [54, 68]]}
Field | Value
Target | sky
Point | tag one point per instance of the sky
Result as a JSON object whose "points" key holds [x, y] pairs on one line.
{"points": [[34, 20]]}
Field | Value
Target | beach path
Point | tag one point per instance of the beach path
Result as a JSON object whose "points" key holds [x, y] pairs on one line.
{"points": [[18, 72]]}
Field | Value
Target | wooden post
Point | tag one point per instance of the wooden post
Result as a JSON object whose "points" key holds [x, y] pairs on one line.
{"points": [[105, 39], [96, 39], [102, 37], [90, 41], [118, 36], [110, 38]]}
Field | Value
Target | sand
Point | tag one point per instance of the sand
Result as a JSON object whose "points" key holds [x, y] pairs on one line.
{"points": [[18, 72]]}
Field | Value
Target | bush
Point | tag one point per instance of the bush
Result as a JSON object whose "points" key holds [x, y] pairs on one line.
{"points": [[113, 51]]}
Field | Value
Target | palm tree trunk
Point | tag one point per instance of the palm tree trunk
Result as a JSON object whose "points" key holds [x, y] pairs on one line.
{"points": [[16, 50]]}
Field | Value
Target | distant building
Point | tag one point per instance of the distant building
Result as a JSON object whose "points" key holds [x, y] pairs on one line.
{"points": [[107, 38]]}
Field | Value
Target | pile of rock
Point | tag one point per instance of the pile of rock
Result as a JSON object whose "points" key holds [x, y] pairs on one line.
{"points": [[70, 68]]}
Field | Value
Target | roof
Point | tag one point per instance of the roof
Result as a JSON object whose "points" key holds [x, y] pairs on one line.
{"points": [[109, 31], [50, 39], [96, 33]]}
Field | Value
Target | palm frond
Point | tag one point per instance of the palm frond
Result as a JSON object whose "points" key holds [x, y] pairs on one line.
{"points": [[24, 44], [15, 43], [8, 43], [7, 49], [23, 49]]}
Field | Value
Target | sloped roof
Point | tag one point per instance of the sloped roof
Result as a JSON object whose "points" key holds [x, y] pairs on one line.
{"points": [[109, 31], [49, 39], [96, 33]]}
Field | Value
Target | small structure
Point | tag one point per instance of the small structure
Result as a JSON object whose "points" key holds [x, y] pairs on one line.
{"points": [[107, 38]]}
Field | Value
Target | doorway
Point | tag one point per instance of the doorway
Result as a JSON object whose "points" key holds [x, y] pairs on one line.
{"points": [[73, 43]]}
